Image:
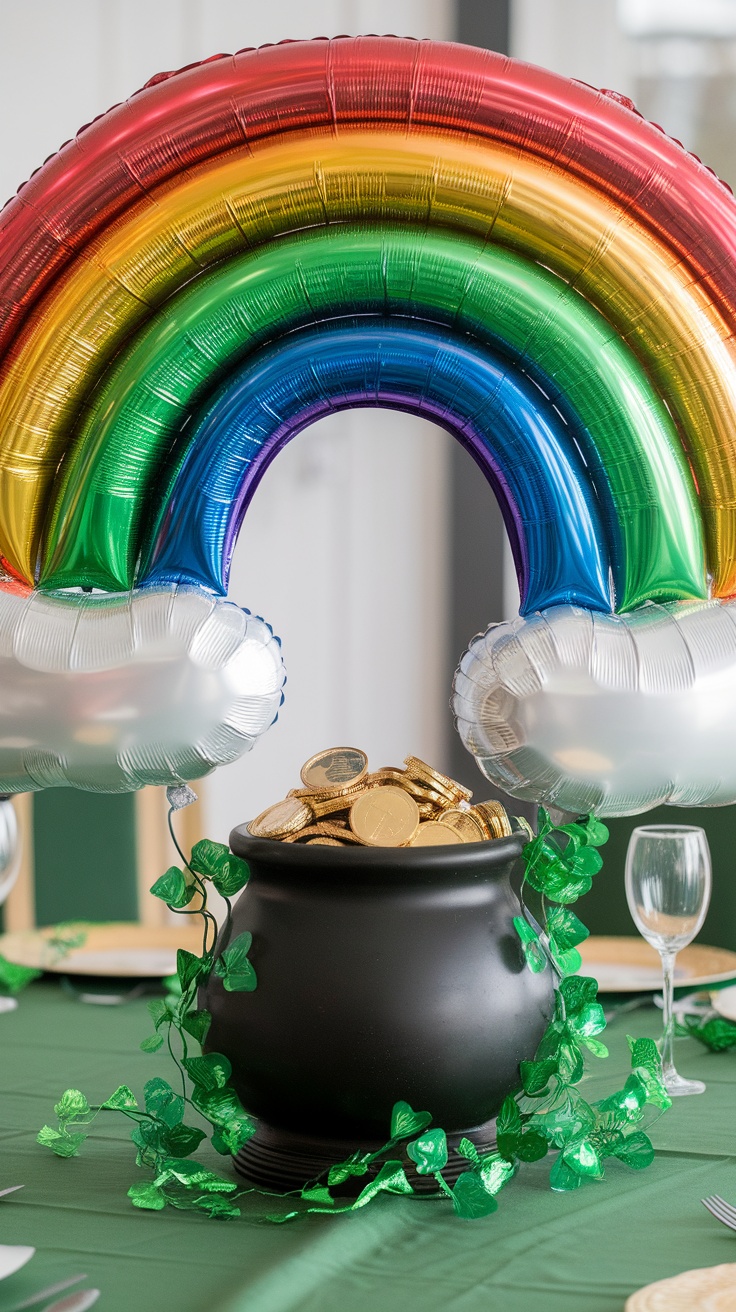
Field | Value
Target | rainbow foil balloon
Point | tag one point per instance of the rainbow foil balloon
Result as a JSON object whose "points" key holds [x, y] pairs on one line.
{"points": [[264, 238]]}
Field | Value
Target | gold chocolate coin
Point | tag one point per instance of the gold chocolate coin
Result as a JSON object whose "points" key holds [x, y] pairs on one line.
{"points": [[332, 805], [384, 817], [338, 767], [281, 819], [493, 816], [323, 841], [432, 833], [432, 778], [466, 825]]}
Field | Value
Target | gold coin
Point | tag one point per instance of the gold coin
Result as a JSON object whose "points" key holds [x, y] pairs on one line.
{"points": [[321, 841], [281, 819], [465, 824], [333, 805], [493, 816], [338, 767], [419, 790], [440, 782], [325, 829], [434, 834], [384, 817]]}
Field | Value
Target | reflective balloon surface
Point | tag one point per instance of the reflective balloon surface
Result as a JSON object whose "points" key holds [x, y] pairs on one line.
{"points": [[607, 713], [111, 479], [109, 694], [222, 206], [514, 434], [326, 86]]}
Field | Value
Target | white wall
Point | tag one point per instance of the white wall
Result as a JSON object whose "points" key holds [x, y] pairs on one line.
{"points": [[345, 545], [578, 38]]}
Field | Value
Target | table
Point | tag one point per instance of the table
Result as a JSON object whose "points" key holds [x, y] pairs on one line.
{"points": [[581, 1252]]}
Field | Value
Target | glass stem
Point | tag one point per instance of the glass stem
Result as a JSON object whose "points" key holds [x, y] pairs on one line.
{"points": [[668, 1037]]}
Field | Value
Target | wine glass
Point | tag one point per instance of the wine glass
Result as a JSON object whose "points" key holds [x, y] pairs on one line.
{"points": [[668, 882]]}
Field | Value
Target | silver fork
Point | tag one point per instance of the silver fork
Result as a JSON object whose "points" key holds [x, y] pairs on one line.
{"points": [[721, 1210]]}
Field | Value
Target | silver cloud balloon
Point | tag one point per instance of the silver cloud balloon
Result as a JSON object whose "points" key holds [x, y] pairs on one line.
{"points": [[109, 693], [613, 714]]}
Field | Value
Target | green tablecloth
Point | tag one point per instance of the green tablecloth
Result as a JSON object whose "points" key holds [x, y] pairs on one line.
{"points": [[583, 1252]]}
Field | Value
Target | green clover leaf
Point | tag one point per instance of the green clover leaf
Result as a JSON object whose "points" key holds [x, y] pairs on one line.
{"points": [[197, 1023], [577, 992], [429, 1152], [182, 1140], [318, 1194], [405, 1121], [210, 1071], [532, 948], [390, 1179], [208, 858], [147, 1196], [562, 1179], [531, 1147], [162, 1102], [495, 1171], [123, 1099], [718, 1034], [470, 1200], [468, 1150], [60, 1142], [152, 1043], [71, 1106], [190, 969], [174, 889], [581, 1157], [14, 978], [636, 1151], [508, 1128], [355, 1165], [234, 968], [536, 1075], [564, 926]]}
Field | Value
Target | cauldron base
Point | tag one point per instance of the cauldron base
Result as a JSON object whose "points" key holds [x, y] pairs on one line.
{"points": [[284, 1160]]}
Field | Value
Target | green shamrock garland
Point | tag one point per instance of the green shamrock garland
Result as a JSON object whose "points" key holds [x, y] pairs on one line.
{"points": [[547, 1113]]}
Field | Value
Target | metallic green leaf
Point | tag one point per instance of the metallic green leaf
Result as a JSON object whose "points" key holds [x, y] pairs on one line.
{"points": [[152, 1043], [562, 1179], [536, 1075], [429, 1152], [71, 1106], [161, 1101], [173, 888], [123, 1099], [405, 1121], [470, 1200], [581, 1157], [147, 1196], [564, 926], [636, 1151], [197, 1023]]}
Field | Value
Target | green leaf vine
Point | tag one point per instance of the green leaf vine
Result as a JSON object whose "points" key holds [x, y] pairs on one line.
{"points": [[547, 1113]]}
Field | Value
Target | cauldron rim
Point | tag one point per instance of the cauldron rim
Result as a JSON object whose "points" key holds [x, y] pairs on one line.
{"points": [[413, 864]]}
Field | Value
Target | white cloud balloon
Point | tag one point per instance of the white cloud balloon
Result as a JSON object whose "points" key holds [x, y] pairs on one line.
{"points": [[109, 693], [613, 714]]}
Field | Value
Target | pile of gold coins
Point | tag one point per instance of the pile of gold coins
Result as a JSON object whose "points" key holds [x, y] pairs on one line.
{"points": [[342, 803]]}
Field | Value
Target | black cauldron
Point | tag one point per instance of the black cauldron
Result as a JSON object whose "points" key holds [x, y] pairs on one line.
{"points": [[383, 974]]}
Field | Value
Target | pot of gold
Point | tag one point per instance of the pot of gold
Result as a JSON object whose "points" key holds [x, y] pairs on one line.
{"points": [[381, 909]]}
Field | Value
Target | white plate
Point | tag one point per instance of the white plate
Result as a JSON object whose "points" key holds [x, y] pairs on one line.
{"points": [[724, 1002], [130, 950], [706, 1289], [12, 1258], [630, 965]]}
